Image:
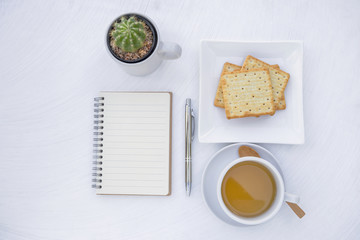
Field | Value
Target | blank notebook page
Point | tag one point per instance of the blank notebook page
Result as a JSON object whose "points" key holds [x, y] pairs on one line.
{"points": [[136, 143]]}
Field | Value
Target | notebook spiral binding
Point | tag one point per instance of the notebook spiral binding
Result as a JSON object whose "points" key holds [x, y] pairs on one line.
{"points": [[98, 127]]}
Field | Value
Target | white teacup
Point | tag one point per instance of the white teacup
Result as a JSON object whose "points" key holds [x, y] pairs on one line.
{"points": [[161, 51], [280, 197]]}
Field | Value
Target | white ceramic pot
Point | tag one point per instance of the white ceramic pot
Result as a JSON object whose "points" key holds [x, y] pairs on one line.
{"points": [[280, 198], [160, 51]]}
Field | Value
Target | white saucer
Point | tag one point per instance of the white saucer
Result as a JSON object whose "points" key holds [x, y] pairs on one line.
{"points": [[213, 169]]}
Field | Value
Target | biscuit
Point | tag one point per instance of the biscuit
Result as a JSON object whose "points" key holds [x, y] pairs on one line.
{"points": [[228, 67], [248, 93], [279, 79]]}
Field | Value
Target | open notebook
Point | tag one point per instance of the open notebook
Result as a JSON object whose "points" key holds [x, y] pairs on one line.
{"points": [[132, 143]]}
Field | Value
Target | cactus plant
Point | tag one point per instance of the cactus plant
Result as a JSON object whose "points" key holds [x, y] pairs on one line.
{"points": [[129, 34]]}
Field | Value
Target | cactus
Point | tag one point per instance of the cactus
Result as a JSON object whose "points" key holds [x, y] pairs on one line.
{"points": [[129, 34]]}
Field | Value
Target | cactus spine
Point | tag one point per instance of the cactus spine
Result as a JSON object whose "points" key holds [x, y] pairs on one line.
{"points": [[129, 34]]}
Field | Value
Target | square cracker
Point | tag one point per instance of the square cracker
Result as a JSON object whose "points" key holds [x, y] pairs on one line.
{"points": [[248, 93], [279, 79], [228, 68]]}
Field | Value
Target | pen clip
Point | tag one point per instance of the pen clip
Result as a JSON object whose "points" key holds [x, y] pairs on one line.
{"points": [[192, 125]]}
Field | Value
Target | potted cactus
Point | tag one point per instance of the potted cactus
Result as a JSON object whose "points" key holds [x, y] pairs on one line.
{"points": [[133, 40]]}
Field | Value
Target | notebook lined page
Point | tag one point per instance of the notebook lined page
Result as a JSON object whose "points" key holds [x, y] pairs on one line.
{"points": [[136, 143]]}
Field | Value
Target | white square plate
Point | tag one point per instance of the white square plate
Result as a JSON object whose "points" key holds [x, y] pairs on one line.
{"points": [[286, 126]]}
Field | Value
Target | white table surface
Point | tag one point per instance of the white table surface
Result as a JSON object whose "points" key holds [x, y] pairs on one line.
{"points": [[53, 62]]}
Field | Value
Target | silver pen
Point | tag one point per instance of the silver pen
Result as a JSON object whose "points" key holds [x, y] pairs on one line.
{"points": [[189, 136]]}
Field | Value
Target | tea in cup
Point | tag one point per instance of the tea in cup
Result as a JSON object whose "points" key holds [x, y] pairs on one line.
{"points": [[251, 190]]}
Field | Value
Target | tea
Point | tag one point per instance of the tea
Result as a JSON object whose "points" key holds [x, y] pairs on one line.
{"points": [[248, 189]]}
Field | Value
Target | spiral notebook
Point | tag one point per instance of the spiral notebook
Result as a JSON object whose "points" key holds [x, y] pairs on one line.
{"points": [[132, 143]]}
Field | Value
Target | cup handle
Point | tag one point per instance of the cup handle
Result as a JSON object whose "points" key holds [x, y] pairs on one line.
{"points": [[169, 50], [292, 198]]}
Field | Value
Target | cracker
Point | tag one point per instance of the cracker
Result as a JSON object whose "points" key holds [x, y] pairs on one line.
{"points": [[228, 67], [248, 93], [279, 79]]}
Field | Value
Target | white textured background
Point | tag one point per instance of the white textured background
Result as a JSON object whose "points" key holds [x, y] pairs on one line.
{"points": [[53, 62]]}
